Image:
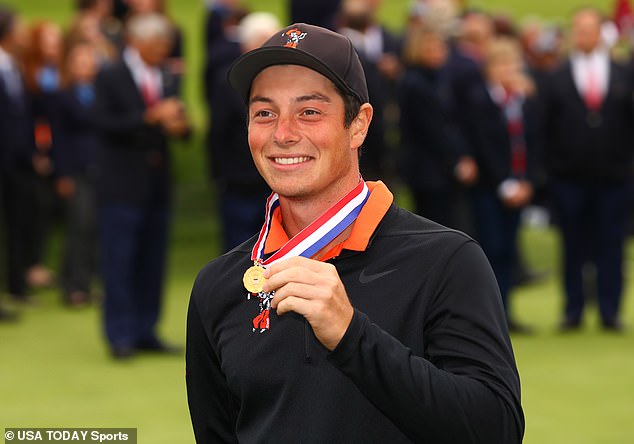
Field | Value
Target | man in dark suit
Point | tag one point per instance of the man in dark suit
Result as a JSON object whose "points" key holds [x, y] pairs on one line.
{"points": [[464, 71], [588, 118], [137, 110], [16, 150], [379, 51]]}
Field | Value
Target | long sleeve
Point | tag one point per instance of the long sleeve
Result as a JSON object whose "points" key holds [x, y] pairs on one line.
{"points": [[465, 388], [207, 394]]}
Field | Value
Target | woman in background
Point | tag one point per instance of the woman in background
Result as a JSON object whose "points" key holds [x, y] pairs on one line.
{"points": [[75, 156], [42, 79], [435, 157]]}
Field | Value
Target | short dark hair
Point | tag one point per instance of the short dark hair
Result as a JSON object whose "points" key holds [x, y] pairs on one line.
{"points": [[352, 106], [7, 20]]}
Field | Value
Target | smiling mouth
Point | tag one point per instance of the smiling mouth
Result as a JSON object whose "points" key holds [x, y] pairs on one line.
{"points": [[290, 160]]}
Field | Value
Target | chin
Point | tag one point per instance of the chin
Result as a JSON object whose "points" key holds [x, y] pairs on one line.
{"points": [[291, 190]]}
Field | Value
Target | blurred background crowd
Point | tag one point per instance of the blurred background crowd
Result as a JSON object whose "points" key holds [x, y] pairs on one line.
{"points": [[485, 121]]}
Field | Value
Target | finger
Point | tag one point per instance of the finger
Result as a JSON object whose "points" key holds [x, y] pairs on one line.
{"points": [[296, 261], [285, 276], [294, 304], [297, 269], [298, 290]]}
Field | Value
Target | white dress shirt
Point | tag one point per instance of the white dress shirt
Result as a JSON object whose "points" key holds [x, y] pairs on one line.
{"points": [[597, 62], [10, 75], [140, 70]]}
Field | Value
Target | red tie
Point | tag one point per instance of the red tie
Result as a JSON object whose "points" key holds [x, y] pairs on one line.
{"points": [[592, 95], [149, 89]]}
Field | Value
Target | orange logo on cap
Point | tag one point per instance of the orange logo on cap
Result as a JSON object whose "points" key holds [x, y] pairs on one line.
{"points": [[294, 36]]}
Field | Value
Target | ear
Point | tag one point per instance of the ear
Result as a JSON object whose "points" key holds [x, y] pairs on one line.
{"points": [[360, 125]]}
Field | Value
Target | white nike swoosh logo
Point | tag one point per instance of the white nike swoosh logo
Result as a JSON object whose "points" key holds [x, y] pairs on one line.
{"points": [[367, 278]]}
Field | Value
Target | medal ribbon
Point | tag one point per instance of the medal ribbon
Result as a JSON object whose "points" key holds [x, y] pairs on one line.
{"points": [[318, 234]]}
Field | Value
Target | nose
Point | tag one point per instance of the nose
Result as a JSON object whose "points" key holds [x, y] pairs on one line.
{"points": [[285, 131]]}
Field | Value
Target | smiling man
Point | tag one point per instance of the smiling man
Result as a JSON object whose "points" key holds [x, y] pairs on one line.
{"points": [[347, 319]]}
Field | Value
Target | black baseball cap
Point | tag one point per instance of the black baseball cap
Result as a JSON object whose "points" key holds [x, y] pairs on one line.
{"points": [[327, 52]]}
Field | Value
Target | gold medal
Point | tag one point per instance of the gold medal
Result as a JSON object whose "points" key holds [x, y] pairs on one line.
{"points": [[253, 279]]}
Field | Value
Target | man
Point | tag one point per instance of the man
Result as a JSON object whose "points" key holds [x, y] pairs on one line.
{"points": [[588, 135], [370, 324], [241, 189], [379, 52], [137, 110], [16, 151]]}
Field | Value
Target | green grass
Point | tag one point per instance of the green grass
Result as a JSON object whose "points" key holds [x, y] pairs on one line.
{"points": [[55, 371]]}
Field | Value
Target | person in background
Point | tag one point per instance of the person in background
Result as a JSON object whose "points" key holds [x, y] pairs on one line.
{"points": [[222, 42], [76, 170], [16, 151], [42, 77], [241, 190], [442, 14], [433, 148], [175, 61], [93, 22], [219, 21], [506, 146], [380, 53], [137, 110], [542, 48], [471, 36], [589, 145]]}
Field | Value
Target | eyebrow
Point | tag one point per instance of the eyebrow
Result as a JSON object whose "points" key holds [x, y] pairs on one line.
{"points": [[260, 99], [306, 98], [315, 96]]}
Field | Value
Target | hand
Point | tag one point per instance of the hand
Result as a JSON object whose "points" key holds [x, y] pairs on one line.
{"points": [[314, 290], [466, 170], [65, 187], [174, 121], [523, 85], [176, 127], [521, 197], [42, 164], [390, 66], [172, 108], [164, 111]]}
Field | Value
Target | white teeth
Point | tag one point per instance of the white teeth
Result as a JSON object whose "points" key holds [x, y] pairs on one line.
{"points": [[290, 160]]}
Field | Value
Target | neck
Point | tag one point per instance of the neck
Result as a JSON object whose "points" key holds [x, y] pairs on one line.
{"points": [[298, 213]]}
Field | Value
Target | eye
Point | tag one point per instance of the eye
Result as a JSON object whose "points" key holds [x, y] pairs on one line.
{"points": [[262, 113], [310, 113]]}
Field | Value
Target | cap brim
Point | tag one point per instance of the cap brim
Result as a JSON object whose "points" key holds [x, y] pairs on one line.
{"points": [[248, 66]]}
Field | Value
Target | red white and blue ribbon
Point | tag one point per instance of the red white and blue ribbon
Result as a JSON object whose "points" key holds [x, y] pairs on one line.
{"points": [[318, 234]]}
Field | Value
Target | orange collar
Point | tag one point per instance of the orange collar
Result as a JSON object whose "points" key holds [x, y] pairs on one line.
{"points": [[373, 211]]}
